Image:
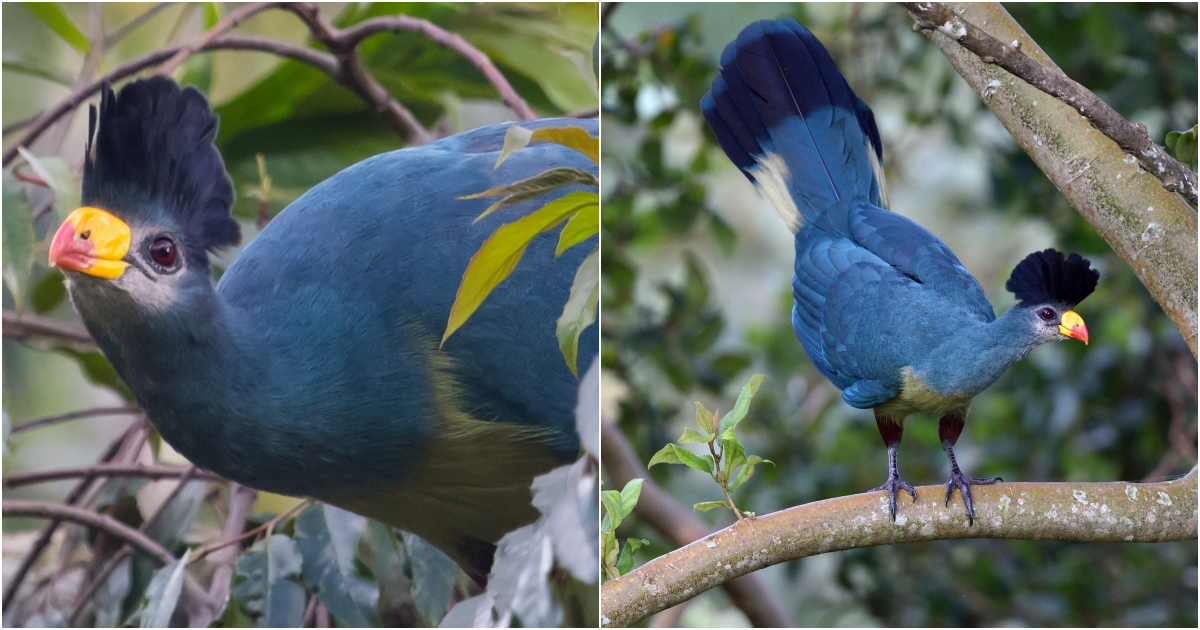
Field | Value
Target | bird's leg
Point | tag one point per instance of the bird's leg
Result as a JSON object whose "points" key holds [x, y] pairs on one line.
{"points": [[891, 430], [949, 428]]}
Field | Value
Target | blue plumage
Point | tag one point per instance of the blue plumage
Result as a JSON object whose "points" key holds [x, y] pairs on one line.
{"points": [[884, 309], [313, 367]]}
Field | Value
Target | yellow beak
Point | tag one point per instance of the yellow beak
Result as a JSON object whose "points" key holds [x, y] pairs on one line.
{"points": [[1073, 327], [93, 241]]}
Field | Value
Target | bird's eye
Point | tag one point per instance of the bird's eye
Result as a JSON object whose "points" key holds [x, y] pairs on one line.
{"points": [[1046, 314], [163, 252]]}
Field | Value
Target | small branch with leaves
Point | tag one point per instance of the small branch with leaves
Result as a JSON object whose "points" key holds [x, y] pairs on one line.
{"points": [[727, 461]]}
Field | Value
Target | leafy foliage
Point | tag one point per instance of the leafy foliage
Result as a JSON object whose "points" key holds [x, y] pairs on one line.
{"points": [[616, 560], [1182, 144], [727, 462], [501, 252]]}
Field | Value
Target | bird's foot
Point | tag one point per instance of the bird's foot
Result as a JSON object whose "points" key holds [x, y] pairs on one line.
{"points": [[893, 486], [964, 483]]}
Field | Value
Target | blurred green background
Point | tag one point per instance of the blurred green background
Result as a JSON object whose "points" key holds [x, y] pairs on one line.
{"points": [[305, 126], [696, 297]]}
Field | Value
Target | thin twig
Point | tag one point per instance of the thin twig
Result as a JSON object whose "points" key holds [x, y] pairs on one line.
{"points": [[224, 25], [1132, 138], [351, 36], [75, 415], [241, 499], [97, 580], [29, 326], [204, 550], [102, 522], [140, 471], [132, 25], [73, 497]]}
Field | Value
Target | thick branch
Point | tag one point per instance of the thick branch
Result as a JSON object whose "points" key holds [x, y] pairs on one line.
{"points": [[682, 526], [103, 522], [107, 470], [1110, 512], [1151, 229], [1132, 139], [28, 326]]}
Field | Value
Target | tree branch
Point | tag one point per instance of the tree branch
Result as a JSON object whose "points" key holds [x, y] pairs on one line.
{"points": [[107, 470], [681, 526], [1132, 139], [22, 327], [103, 522], [1151, 229], [231, 20], [241, 499], [75, 415], [353, 35], [1112, 512]]}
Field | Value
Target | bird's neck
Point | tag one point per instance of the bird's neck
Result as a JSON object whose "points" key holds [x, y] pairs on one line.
{"points": [[193, 371], [978, 354]]}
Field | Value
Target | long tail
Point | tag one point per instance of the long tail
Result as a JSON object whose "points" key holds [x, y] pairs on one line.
{"points": [[785, 116]]}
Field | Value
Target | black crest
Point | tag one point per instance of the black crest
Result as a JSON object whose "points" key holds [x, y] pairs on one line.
{"points": [[1047, 277], [150, 151]]}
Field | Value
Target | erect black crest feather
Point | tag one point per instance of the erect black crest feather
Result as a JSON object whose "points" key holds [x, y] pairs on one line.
{"points": [[151, 150], [1046, 277]]}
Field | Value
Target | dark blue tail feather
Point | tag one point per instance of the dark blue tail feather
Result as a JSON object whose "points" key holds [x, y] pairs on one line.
{"points": [[787, 118]]}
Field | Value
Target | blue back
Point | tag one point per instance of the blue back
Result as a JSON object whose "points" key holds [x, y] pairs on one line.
{"points": [[358, 276], [874, 292]]}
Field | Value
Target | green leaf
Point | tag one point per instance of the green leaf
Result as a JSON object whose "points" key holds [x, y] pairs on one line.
{"points": [[742, 405], [666, 455], [52, 15], [734, 454], [747, 471], [692, 435], [1185, 148], [584, 225], [704, 418], [630, 494], [96, 369], [17, 239], [580, 310], [536, 186], [163, 593], [691, 460], [327, 538], [709, 505], [434, 575], [501, 252], [265, 583], [609, 554], [613, 511], [625, 562]]}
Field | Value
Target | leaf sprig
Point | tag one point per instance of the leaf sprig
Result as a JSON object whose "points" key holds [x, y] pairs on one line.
{"points": [[727, 460]]}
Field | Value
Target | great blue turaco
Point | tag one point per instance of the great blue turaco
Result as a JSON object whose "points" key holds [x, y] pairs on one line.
{"points": [[882, 307], [313, 367]]}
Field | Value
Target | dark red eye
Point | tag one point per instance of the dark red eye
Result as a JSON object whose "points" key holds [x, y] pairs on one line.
{"points": [[1046, 314], [162, 251]]}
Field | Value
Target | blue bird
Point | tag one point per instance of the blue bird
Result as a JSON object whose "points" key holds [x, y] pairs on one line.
{"points": [[883, 308], [313, 367]]}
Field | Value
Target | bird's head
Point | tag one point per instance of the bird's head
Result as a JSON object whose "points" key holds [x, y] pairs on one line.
{"points": [[1048, 285], [156, 198]]}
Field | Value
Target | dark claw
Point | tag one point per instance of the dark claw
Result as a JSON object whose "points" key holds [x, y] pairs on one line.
{"points": [[893, 486], [964, 483]]}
